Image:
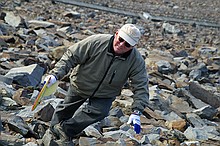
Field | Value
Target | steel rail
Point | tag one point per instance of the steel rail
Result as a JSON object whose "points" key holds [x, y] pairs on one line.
{"points": [[144, 16]]}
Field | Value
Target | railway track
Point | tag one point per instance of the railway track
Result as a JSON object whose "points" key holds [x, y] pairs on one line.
{"points": [[198, 10], [155, 12]]}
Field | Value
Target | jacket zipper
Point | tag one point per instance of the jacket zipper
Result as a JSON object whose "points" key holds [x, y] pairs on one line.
{"points": [[103, 77]]}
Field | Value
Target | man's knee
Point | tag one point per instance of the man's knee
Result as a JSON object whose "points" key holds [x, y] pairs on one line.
{"points": [[96, 112]]}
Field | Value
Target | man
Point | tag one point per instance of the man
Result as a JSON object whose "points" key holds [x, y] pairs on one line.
{"points": [[102, 65]]}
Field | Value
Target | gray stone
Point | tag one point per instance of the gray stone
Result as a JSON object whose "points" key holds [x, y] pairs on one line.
{"points": [[48, 139], [158, 130], [204, 133], [44, 36], [144, 140], [170, 28], [124, 127], [199, 92], [153, 137], [195, 134], [170, 116], [195, 120], [164, 67], [190, 143], [8, 102], [41, 23], [116, 134], [12, 20], [207, 112], [45, 114], [116, 111], [17, 124], [92, 131], [31, 144], [83, 141], [5, 80], [195, 75], [26, 76], [1, 128]]}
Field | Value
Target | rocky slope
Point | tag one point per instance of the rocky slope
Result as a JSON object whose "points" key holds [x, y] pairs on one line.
{"points": [[183, 62]]}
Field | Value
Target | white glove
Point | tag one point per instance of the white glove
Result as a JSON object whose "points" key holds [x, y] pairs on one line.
{"points": [[51, 81], [135, 121]]}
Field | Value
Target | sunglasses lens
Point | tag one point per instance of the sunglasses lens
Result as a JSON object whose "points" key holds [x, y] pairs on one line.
{"points": [[126, 43], [121, 39]]}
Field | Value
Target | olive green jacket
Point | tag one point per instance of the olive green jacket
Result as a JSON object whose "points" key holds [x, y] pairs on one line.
{"points": [[99, 73]]}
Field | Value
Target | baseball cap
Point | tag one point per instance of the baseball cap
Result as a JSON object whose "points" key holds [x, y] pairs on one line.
{"points": [[130, 33]]}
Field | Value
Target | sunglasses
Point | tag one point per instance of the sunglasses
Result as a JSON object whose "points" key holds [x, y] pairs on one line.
{"points": [[126, 43]]}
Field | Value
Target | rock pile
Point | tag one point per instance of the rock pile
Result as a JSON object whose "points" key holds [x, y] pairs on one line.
{"points": [[183, 63]]}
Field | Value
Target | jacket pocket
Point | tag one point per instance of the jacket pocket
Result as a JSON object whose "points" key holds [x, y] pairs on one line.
{"points": [[112, 77]]}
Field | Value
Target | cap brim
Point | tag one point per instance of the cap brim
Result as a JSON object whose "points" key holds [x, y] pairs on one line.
{"points": [[127, 38]]}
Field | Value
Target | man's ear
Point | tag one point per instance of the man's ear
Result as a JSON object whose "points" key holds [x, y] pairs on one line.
{"points": [[116, 33]]}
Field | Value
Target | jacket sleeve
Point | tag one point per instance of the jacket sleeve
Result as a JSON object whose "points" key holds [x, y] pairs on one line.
{"points": [[76, 54], [139, 83]]}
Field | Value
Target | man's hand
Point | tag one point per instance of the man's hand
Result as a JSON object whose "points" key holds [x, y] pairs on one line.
{"points": [[52, 79], [135, 121]]}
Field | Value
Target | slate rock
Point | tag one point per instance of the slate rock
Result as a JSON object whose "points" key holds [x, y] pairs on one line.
{"points": [[26, 76], [17, 124]]}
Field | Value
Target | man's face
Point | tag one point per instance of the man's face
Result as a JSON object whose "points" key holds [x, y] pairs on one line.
{"points": [[120, 45]]}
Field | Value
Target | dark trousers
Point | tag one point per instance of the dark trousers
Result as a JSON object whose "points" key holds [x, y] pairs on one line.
{"points": [[76, 113]]}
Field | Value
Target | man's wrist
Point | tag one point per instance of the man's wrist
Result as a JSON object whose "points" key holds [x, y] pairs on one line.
{"points": [[137, 112], [55, 76]]}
